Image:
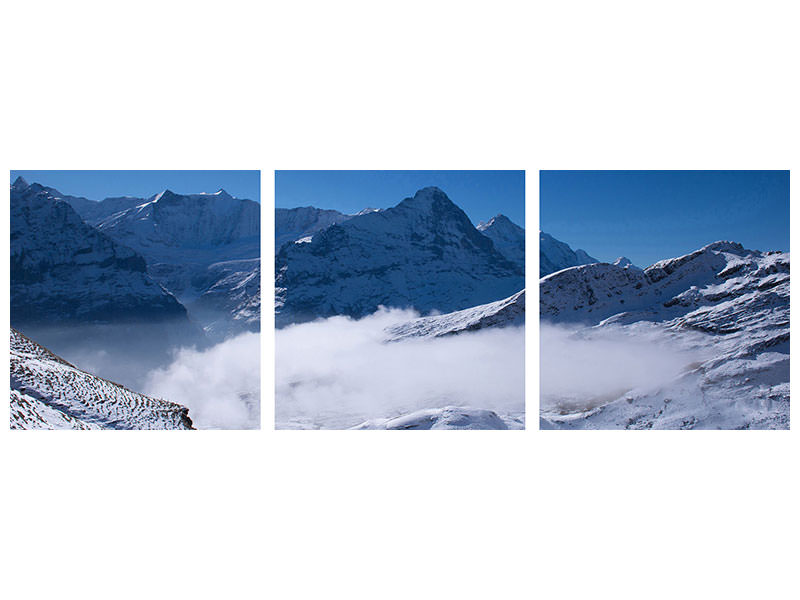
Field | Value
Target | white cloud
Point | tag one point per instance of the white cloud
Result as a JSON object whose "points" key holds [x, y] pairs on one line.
{"points": [[338, 372], [220, 385], [584, 368]]}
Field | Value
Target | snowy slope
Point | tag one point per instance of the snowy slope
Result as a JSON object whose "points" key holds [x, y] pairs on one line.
{"points": [[555, 255], [63, 270], [93, 212], [233, 302], [449, 417], [722, 303], [508, 238], [423, 253], [503, 313], [49, 393]]}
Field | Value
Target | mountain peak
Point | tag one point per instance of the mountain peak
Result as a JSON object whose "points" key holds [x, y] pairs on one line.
{"points": [[19, 184], [165, 194], [430, 199], [624, 263], [499, 220], [221, 193]]}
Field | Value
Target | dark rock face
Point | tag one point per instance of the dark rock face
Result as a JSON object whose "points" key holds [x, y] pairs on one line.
{"points": [[423, 253], [65, 271]]}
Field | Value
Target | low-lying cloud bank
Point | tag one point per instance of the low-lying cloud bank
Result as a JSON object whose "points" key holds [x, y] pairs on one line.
{"points": [[581, 369], [220, 385], [339, 372]]}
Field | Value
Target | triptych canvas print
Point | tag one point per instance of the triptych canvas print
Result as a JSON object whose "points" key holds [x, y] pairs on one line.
{"points": [[399, 300]]}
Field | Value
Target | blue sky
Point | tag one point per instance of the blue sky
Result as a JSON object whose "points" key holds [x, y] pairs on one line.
{"points": [[97, 185], [480, 194], [651, 215]]}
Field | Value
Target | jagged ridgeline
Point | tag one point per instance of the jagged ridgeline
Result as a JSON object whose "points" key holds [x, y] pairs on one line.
{"points": [[424, 254], [119, 284]]}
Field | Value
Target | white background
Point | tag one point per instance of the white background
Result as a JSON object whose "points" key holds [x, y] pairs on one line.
{"points": [[402, 85]]}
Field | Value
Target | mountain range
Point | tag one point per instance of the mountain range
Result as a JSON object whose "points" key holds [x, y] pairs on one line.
{"points": [[423, 253], [555, 255], [119, 285]]}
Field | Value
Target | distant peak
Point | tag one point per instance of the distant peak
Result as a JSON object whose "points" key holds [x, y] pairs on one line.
{"points": [[222, 193], [724, 246], [165, 194], [367, 211], [625, 263], [499, 220], [19, 183]]}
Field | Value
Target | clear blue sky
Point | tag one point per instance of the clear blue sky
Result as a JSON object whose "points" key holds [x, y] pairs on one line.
{"points": [[480, 194], [651, 215], [96, 185]]}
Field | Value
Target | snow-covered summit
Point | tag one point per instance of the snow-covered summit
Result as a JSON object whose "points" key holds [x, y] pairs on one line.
{"points": [[624, 263], [507, 236]]}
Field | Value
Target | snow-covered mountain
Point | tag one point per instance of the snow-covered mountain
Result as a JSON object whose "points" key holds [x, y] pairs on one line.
{"points": [[725, 303], [292, 224], [625, 263], [235, 294], [187, 241], [503, 313], [49, 393], [508, 238], [65, 271], [555, 255], [423, 253]]}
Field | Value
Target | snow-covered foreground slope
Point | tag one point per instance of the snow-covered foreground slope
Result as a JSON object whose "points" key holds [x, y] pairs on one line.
{"points": [[698, 341], [503, 313], [555, 255], [341, 373], [449, 417], [49, 393], [423, 253]]}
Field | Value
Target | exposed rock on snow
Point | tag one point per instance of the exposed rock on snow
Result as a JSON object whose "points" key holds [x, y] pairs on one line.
{"points": [[555, 255], [49, 393], [503, 313], [423, 253]]}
